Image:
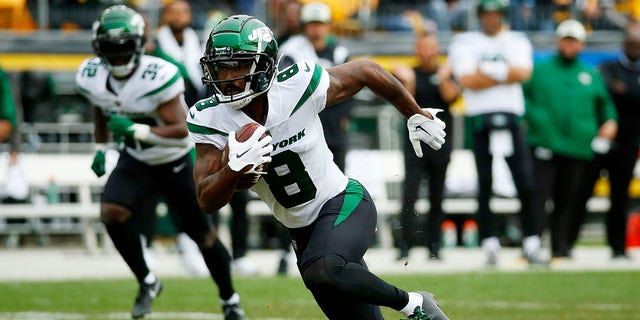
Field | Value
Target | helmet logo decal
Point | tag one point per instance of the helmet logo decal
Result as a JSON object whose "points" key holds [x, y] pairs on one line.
{"points": [[115, 32], [261, 35]]}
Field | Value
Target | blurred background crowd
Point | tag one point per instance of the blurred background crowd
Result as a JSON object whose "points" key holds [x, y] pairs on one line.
{"points": [[351, 16]]}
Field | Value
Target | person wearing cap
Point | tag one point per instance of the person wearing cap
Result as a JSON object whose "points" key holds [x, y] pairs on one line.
{"points": [[621, 78], [490, 66], [569, 114], [431, 84]]}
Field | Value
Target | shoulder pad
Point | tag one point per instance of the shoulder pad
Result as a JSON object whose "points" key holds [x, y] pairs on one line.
{"points": [[206, 103]]}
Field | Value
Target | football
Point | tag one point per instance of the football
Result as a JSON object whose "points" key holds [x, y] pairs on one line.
{"points": [[243, 134]]}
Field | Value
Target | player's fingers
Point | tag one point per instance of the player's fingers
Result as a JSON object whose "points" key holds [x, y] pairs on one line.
{"points": [[232, 137], [417, 148], [255, 137], [266, 140]]}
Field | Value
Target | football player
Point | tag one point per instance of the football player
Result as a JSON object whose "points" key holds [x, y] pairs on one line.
{"points": [[331, 218], [139, 99]]}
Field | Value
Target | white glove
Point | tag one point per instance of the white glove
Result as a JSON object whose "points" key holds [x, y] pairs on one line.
{"points": [[496, 70], [600, 145], [246, 156], [426, 130]]}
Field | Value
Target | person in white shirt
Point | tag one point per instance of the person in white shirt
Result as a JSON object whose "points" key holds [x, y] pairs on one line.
{"points": [[490, 66]]}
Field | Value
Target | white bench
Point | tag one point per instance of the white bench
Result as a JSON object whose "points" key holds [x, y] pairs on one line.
{"points": [[375, 169], [69, 172]]}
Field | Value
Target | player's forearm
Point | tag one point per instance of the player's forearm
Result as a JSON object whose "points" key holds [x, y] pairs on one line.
{"points": [[215, 191], [168, 136], [389, 88]]}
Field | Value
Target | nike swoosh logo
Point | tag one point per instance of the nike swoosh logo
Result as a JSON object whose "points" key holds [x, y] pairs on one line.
{"points": [[242, 154], [179, 167], [192, 114], [425, 131]]}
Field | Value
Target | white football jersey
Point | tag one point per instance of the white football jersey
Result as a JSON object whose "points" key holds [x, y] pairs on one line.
{"points": [[154, 82], [302, 175], [466, 52]]}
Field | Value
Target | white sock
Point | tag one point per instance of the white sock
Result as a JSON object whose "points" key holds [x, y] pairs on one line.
{"points": [[531, 245], [491, 244], [150, 278], [415, 300], [235, 298]]}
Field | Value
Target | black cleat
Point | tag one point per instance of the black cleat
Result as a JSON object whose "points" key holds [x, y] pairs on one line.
{"points": [[283, 266], [434, 256], [232, 311], [429, 309], [144, 300]]}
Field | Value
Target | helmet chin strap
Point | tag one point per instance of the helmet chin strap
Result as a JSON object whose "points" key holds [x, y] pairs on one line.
{"points": [[122, 70], [239, 104]]}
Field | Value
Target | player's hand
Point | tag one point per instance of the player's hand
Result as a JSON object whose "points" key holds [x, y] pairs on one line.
{"points": [[99, 160], [124, 127], [496, 70], [246, 156], [429, 131]]}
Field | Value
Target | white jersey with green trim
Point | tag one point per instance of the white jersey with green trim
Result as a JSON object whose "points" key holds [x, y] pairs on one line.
{"points": [[302, 175], [468, 49], [153, 83]]}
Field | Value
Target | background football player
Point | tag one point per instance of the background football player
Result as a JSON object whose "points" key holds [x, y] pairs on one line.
{"points": [[139, 98]]}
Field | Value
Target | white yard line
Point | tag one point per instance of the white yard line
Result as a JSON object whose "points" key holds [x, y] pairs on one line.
{"points": [[96, 316], [536, 305]]}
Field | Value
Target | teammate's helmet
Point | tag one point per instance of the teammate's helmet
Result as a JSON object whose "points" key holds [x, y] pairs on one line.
{"points": [[492, 5], [118, 39], [240, 39]]}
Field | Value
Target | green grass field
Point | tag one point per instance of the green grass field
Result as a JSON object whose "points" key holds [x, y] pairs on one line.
{"points": [[481, 295]]}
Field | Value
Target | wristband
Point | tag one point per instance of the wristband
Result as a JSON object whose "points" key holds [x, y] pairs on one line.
{"points": [[141, 131]]}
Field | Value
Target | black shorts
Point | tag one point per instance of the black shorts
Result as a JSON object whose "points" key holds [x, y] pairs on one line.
{"points": [[336, 232], [133, 184]]}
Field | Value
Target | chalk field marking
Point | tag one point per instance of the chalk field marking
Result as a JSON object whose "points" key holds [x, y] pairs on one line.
{"points": [[537, 306], [33, 315]]}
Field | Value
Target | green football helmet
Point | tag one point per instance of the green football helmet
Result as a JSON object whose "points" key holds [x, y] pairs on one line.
{"points": [[236, 41], [118, 39], [493, 5]]}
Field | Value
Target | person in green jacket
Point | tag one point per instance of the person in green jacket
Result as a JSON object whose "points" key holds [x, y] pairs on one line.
{"points": [[568, 112], [7, 108]]}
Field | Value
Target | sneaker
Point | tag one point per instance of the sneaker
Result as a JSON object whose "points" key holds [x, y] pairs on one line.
{"points": [[534, 260], [620, 257], [429, 309], [435, 256], [283, 266], [144, 300], [492, 258], [491, 246], [232, 311]]}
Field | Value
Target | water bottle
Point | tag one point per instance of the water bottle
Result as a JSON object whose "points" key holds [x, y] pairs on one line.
{"points": [[470, 233], [449, 234], [53, 194]]}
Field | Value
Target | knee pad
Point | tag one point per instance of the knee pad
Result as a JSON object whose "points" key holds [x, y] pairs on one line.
{"points": [[321, 274], [113, 213], [204, 238]]}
